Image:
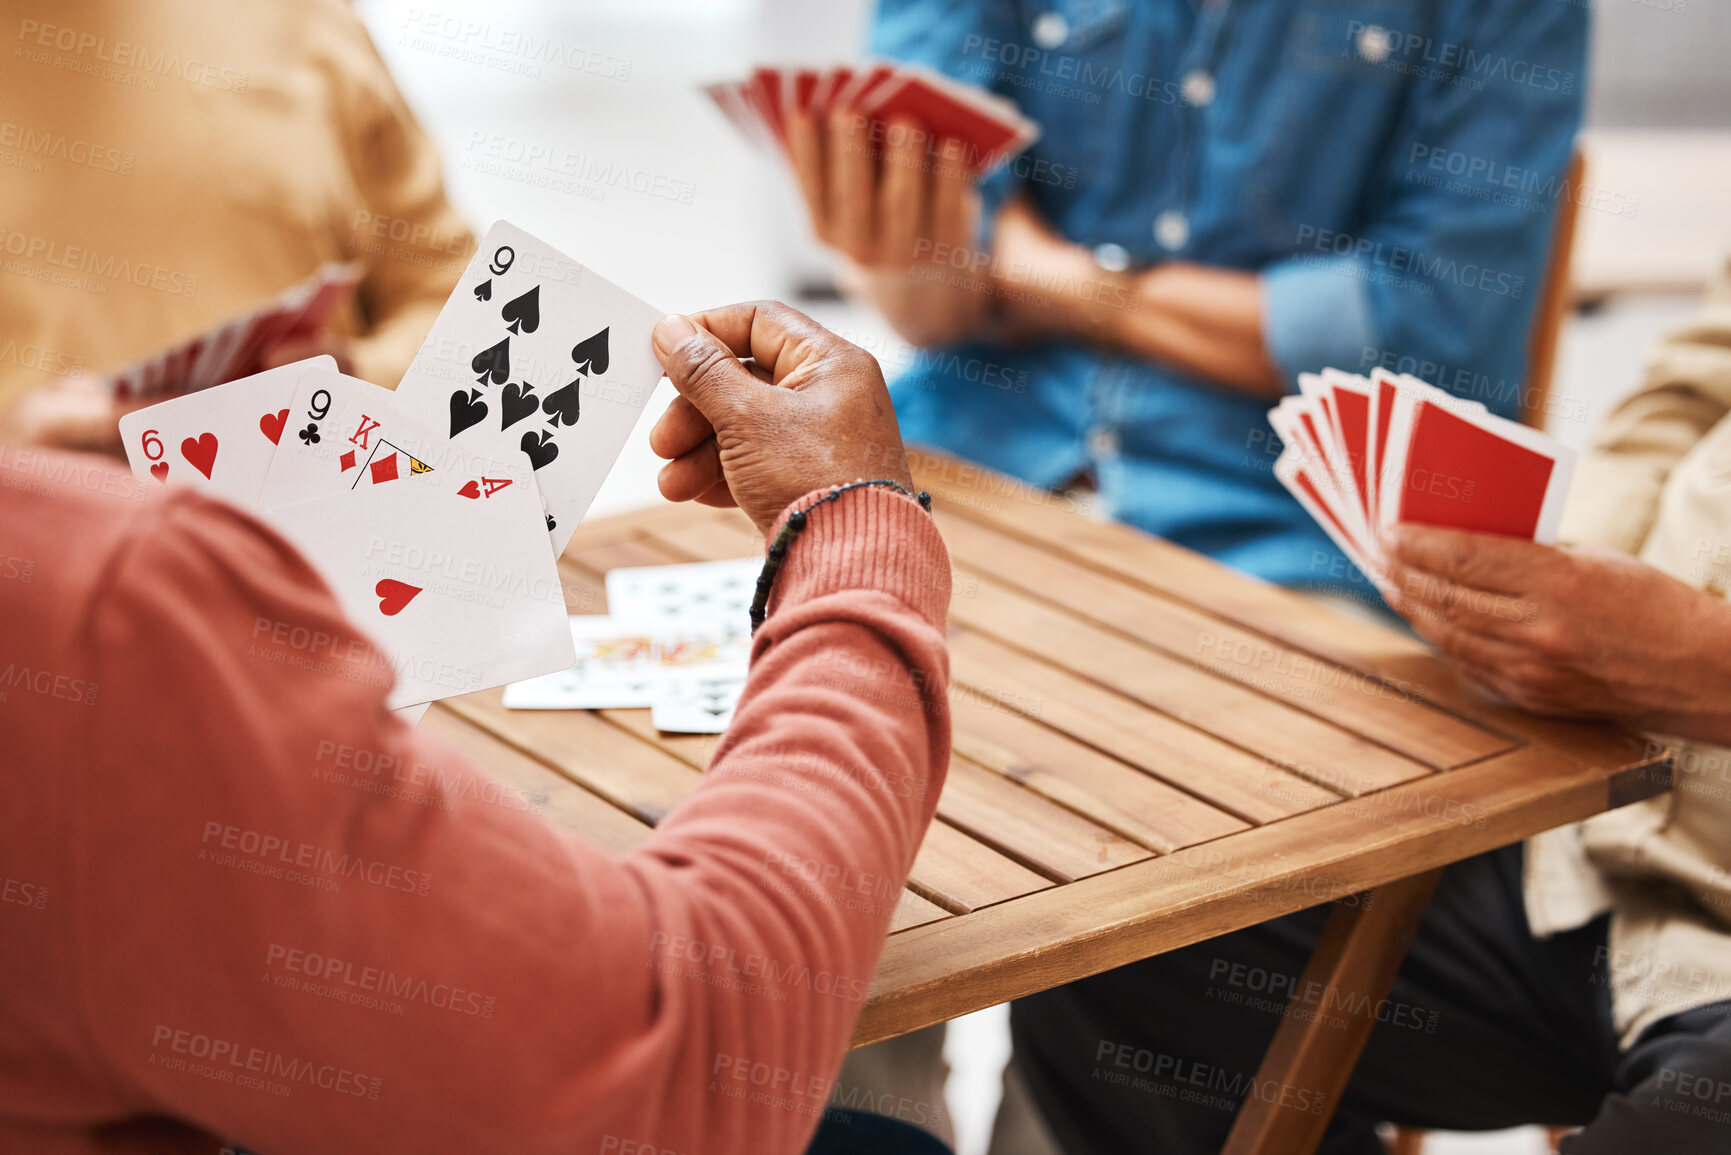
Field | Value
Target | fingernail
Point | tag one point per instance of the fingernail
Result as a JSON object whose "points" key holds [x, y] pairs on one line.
{"points": [[671, 332]]}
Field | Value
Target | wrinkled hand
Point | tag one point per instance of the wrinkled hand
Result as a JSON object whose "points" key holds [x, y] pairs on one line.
{"points": [[1582, 632], [809, 411], [902, 206]]}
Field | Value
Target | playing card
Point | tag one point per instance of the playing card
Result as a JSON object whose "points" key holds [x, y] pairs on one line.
{"points": [[1349, 411], [459, 594], [763, 93], [859, 85], [700, 615], [220, 439], [989, 131], [1320, 427], [535, 357], [413, 714], [233, 348], [698, 702], [1303, 468], [1301, 480], [617, 666], [345, 434], [704, 598], [1474, 471]]}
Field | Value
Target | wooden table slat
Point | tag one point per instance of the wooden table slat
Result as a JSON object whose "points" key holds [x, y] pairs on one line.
{"points": [[1095, 924], [914, 911], [1262, 725], [1103, 789], [962, 874], [1232, 780], [1343, 696], [1220, 774], [634, 776], [1116, 788], [1406, 663], [564, 804], [1020, 824]]}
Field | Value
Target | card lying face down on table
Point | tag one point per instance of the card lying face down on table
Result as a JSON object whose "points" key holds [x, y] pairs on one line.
{"points": [[1365, 454], [436, 513]]}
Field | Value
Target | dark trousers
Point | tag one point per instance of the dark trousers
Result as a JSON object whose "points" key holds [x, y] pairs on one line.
{"points": [[1486, 1027]]}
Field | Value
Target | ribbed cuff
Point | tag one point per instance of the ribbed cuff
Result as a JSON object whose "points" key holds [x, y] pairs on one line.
{"points": [[871, 538]]}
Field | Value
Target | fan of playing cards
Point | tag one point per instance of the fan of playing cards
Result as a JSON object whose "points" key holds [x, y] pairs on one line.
{"points": [[436, 513], [235, 347], [989, 128], [1364, 454]]}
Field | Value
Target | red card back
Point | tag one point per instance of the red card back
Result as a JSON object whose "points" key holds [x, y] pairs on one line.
{"points": [[1353, 413], [1464, 477], [984, 137]]}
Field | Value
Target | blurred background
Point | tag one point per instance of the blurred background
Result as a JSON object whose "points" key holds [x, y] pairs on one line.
{"points": [[721, 222]]}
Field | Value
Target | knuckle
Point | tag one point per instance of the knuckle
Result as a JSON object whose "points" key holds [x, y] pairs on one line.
{"points": [[702, 364]]}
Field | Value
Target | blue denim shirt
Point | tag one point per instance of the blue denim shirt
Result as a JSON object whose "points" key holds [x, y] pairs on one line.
{"points": [[1390, 167]]}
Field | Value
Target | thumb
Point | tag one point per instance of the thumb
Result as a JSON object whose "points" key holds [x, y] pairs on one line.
{"points": [[704, 370]]}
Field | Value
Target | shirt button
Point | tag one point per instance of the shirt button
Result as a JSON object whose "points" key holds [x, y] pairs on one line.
{"points": [[1102, 442], [1198, 89], [1051, 29], [1113, 258], [1172, 229], [1373, 44]]}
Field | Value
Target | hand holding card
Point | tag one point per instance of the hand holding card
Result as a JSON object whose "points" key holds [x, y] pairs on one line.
{"points": [[1363, 455]]}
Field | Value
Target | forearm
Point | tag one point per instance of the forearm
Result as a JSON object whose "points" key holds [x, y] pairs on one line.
{"points": [[738, 939], [929, 305], [1202, 320]]}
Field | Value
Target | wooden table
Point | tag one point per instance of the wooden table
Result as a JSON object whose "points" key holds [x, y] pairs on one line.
{"points": [[1150, 750]]}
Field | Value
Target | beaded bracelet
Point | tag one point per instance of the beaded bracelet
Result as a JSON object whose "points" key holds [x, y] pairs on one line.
{"points": [[791, 529]]}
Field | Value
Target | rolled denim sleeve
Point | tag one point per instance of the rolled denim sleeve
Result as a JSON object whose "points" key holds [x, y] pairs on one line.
{"points": [[948, 36], [1441, 278], [1316, 313]]}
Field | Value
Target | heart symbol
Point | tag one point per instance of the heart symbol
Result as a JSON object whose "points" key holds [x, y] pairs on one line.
{"points": [[539, 447], [394, 595], [467, 409], [160, 471], [472, 490], [523, 315], [591, 355], [271, 425], [484, 291], [564, 405], [201, 454], [519, 402]]}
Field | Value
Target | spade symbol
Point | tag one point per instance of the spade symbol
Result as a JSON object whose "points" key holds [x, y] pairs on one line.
{"points": [[519, 402], [523, 315], [540, 448], [551, 524], [484, 291], [466, 409], [591, 355], [494, 363], [563, 405]]}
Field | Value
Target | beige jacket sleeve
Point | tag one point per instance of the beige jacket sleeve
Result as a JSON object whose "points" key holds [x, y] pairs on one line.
{"points": [[417, 244], [1686, 392]]}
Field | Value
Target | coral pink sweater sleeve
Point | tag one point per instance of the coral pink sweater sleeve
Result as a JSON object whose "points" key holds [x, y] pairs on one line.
{"points": [[217, 926]]}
